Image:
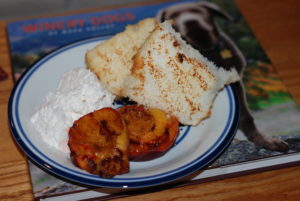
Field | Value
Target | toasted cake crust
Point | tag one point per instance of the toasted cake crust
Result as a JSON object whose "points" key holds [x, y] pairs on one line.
{"points": [[111, 60], [170, 75]]}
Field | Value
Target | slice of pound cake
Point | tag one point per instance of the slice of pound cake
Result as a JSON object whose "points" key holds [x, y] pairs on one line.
{"points": [[169, 74], [111, 60]]}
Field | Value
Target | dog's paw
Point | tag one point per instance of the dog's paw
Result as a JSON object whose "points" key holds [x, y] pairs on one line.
{"points": [[273, 144]]}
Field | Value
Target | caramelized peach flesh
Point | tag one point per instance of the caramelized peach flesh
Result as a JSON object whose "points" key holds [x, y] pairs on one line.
{"points": [[99, 143], [151, 131]]}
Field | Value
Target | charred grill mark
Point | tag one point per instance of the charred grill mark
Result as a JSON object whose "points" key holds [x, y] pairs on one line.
{"points": [[180, 57], [138, 64], [191, 105], [103, 123], [176, 44], [118, 52], [92, 165], [201, 80], [103, 130], [164, 36], [111, 165], [107, 59]]}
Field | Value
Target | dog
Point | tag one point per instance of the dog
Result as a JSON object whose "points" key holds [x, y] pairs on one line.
{"points": [[195, 22]]}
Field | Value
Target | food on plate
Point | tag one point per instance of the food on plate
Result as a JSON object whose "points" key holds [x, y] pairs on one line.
{"points": [[78, 93], [151, 131], [99, 143], [171, 75], [150, 64], [104, 141], [111, 60], [158, 69]]}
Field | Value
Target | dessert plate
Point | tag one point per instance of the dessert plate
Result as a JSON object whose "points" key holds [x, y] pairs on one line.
{"points": [[195, 147]]}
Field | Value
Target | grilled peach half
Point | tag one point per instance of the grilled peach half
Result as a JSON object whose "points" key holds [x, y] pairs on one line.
{"points": [[152, 132], [99, 143]]}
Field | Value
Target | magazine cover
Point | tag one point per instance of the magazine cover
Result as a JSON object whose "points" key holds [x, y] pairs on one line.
{"points": [[269, 130]]}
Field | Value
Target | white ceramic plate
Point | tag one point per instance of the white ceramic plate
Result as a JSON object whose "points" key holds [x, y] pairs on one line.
{"points": [[195, 147]]}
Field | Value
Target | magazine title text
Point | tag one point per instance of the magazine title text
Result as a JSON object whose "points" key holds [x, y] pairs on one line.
{"points": [[78, 23]]}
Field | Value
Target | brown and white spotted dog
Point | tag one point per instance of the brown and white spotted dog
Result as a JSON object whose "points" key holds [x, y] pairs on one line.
{"points": [[195, 22]]}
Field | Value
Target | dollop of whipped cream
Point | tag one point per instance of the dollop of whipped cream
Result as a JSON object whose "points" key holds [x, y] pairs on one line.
{"points": [[79, 92]]}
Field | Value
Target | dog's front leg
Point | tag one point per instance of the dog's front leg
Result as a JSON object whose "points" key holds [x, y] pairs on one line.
{"points": [[248, 127]]}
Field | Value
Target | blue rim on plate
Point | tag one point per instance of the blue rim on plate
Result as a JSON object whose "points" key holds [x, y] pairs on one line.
{"points": [[52, 166]]}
